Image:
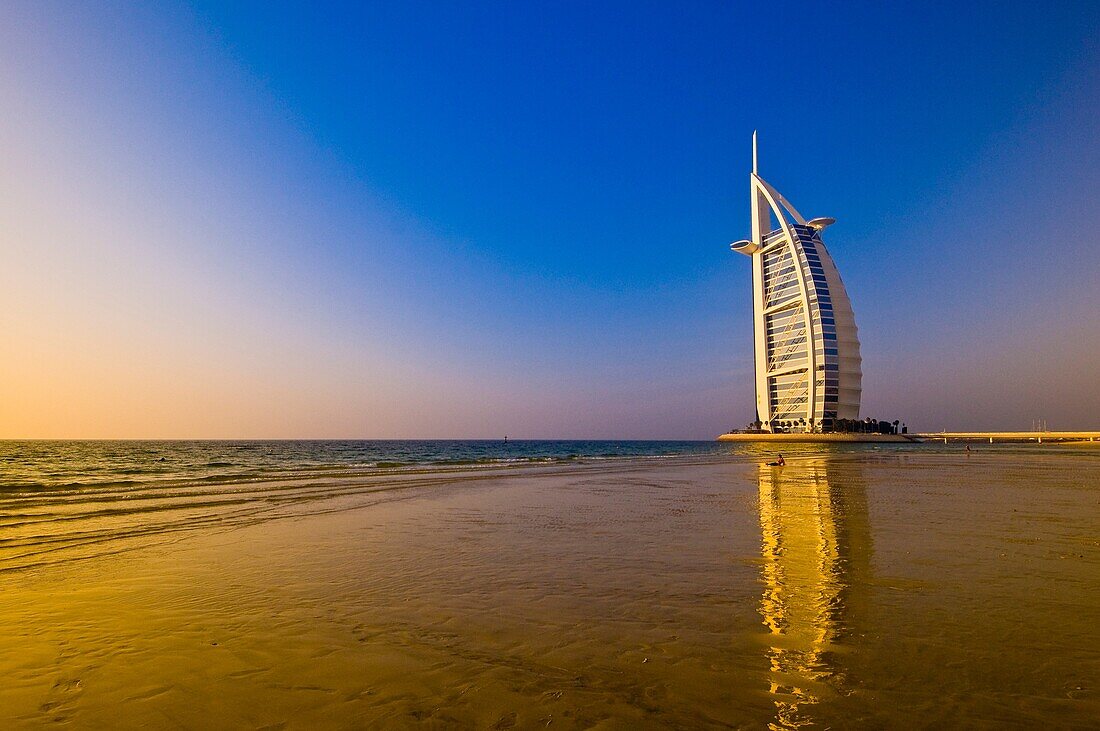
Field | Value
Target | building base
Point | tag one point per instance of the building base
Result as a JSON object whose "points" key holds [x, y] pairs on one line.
{"points": [[816, 438]]}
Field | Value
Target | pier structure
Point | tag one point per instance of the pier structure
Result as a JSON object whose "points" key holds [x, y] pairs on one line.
{"points": [[1009, 436], [807, 360]]}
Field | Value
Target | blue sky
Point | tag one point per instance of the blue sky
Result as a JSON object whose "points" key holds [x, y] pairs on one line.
{"points": [[405, 220]]}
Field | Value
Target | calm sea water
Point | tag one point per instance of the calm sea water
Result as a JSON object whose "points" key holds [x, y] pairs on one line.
{"points": [[43, 464]]}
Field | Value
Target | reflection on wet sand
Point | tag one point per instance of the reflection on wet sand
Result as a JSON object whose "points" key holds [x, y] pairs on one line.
{"points": [[816, 546]]}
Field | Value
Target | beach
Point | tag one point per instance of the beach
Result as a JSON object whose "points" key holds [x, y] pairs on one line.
{"points": [[905, 586]]}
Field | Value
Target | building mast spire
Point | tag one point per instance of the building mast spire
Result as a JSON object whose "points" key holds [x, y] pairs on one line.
{"points": [[758, 201], [754, 170]]}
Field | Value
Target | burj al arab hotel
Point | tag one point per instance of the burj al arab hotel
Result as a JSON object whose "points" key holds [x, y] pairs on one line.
{"points": [[806, 348]]}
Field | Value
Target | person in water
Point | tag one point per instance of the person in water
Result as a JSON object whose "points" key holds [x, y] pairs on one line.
{"points": [[779, 462]]}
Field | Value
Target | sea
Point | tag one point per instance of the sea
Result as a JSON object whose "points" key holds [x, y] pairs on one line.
{"points": [[51, 464]]}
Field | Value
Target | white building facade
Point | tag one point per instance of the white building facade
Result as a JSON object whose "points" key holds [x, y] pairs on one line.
{"points": [[808, 367]]}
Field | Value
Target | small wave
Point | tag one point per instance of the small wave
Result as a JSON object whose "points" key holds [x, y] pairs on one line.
{"points": [[97, 483], [222, 477]]}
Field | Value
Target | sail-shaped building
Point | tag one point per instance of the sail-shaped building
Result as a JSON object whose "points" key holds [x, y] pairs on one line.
{"points": [[806, 346]]}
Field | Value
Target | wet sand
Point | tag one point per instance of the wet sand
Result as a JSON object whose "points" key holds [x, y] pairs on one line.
{"points": [[845, 589]]}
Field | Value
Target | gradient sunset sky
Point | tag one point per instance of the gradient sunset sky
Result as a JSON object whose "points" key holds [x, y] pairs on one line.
{"points": [[470, 220]]}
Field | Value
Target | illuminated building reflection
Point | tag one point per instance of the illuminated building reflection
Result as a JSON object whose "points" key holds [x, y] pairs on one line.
{"points": [[816, 559]]}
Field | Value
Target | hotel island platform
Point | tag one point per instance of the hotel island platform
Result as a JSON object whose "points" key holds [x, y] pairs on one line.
{"points": [[815, 438], [1048, 437]]}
